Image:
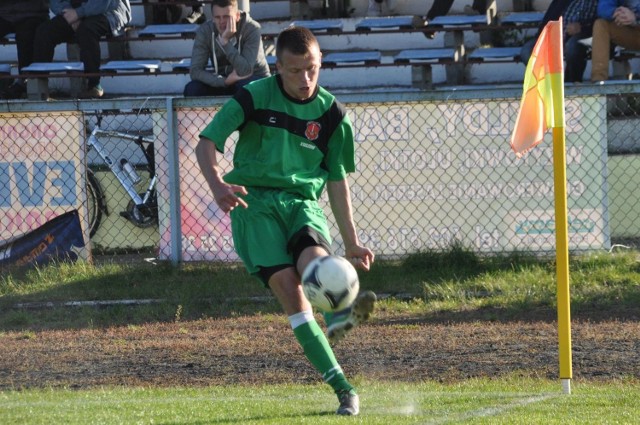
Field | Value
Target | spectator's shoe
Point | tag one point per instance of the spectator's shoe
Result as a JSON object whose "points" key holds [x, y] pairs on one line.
{"points": [[419, 22], [195, 17], [349, 403], [343, 321], [95, 92], [17, 90]]}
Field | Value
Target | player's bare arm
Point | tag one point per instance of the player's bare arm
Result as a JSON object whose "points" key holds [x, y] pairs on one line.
{"points": [[224, 194], [340, 200]]}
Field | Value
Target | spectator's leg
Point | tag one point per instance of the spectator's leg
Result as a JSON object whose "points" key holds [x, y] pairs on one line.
{"points": [[627, 36], [48, 35], [6, 27], [439, 8], [88, 35], [576, 58], [600, 50], [480, 6], [196, 88], [25, 38]]}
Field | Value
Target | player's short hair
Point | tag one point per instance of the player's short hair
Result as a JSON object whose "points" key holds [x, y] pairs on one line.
{"points": [[224, 3], [297, 40]]}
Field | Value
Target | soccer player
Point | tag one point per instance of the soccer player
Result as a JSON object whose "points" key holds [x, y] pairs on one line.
{"points": [[295, 139]]}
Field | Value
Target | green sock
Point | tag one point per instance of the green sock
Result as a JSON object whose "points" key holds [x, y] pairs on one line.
{"points": [[318, 351]]}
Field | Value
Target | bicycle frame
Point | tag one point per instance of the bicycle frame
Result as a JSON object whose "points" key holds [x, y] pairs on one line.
{"points": [[94, 143], [140, 211]]}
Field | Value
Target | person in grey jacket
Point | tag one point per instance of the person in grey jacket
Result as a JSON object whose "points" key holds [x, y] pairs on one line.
{"points": [[232, 44], [21, 17], [84, 22]]}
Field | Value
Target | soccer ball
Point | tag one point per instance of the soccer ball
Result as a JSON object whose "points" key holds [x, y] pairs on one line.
{"points": [[330, 283]]}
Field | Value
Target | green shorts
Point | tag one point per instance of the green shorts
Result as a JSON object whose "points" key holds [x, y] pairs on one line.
{"points": [[262, 231]]}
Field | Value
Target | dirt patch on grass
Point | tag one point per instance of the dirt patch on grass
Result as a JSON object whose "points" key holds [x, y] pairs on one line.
{"points": [[256, 350]]}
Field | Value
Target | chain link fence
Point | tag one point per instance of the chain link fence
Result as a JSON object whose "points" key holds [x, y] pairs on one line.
{"points": [[433, 170]]}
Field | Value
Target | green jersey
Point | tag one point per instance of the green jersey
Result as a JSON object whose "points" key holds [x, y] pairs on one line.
{"points": [[284, 143]]}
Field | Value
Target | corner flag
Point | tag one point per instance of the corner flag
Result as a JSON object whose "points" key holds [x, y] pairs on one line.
{"points": [[542, 105]]}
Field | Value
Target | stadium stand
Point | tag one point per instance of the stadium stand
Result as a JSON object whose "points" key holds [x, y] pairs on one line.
{"points": [[392, 49]]}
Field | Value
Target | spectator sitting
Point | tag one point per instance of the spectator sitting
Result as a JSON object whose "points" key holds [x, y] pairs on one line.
{"points": [[578, 24], [554, 11], [83, 22], [21, 18], [617, 24], [233, 44]]}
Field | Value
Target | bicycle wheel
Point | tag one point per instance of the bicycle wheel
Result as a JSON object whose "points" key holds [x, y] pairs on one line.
{"points": [[95, 202]]}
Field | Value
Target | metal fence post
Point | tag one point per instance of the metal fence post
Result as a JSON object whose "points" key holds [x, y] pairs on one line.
{"points": [[174, 184]]}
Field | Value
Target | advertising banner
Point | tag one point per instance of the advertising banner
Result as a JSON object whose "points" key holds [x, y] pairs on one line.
{"points": [[42, 170], [431, 174], [59, 239]]}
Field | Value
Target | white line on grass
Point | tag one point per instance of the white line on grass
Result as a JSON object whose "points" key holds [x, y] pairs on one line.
{"points": [[493, 411]]}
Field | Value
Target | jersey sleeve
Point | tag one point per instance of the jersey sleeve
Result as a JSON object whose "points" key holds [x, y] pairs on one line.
{"points": [[227, 120], [341, 155]]}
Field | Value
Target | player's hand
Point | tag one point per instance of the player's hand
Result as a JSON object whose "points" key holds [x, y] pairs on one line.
{"points": [[360, 256], [624, 16], [226, 196], [234, 78]]}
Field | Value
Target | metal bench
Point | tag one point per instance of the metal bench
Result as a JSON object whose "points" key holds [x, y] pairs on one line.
{"points": [[139, 65], [522, 19], [388, 22], [366, 58], [329, 26], [182, 30], [422, 56], [38, 88], [421, 61], [494, 54]]}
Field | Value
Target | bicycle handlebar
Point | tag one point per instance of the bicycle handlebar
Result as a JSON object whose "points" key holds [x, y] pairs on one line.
{"points": [[97, 131]]}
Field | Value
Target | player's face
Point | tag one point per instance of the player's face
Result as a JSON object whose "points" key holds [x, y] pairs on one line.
{"points": [[222, 16], [300, 73]]}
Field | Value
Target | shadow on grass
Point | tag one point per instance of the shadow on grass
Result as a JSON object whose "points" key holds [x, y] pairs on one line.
{"points": [[77, 296]]}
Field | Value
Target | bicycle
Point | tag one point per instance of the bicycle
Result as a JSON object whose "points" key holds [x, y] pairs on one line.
{"points": [[142, 209]]}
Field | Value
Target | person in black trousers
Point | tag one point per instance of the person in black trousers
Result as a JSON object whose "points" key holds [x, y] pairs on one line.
{"points": [[84, 22], [21, 17]]}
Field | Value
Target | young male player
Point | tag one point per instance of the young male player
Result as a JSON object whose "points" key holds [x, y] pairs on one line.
{"points": [[295, 139]]}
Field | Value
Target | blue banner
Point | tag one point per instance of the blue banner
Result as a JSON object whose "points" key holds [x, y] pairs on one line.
{"points": [[58, 239]]}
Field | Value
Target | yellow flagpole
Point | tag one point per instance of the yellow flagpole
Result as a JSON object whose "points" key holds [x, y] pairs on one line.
{"points": [[562, 257]]}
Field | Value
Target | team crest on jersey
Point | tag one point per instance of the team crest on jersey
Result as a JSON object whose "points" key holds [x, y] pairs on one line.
{"points": [[313, 130]]}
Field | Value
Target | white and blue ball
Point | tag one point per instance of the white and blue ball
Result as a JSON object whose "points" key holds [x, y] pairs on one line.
{"points": [[330, 283]]}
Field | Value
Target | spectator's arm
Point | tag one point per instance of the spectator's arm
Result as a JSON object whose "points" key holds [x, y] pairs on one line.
{"points": [[606, 9], [244, 61], [57, 6], [96, 7], [200, 58]]}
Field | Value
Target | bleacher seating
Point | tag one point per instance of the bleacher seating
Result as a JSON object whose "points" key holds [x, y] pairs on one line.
{"points": [[367, 58], [386, 45], [330, 26]]}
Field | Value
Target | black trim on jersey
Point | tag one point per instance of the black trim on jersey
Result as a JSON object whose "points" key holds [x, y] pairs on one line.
{"points": [[245, 100], [329, 121]]}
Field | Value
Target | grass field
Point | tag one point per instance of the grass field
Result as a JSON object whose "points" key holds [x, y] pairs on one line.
{"points": [[505, 401], [424, 294]]}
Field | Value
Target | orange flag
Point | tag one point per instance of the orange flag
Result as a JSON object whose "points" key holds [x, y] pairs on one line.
{"points": [[542, 105]]}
